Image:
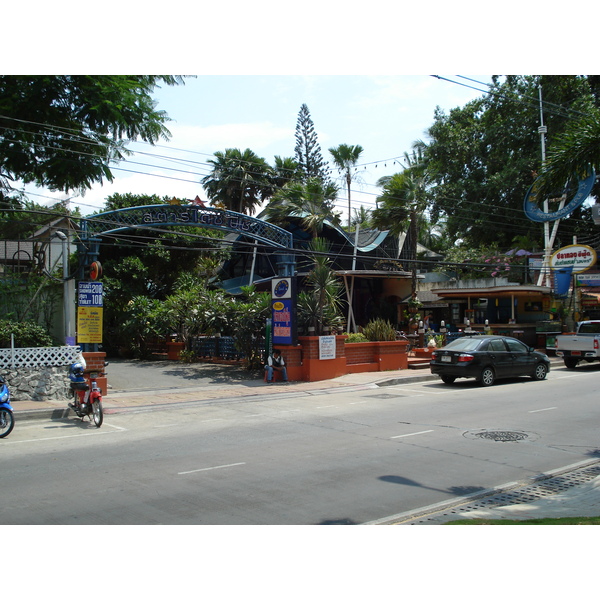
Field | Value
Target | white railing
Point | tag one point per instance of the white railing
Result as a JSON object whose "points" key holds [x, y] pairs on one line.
{"points": [[57, 356]]}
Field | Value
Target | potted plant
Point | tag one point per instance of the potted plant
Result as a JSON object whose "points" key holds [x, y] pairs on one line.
{"points": [[414, 305]]}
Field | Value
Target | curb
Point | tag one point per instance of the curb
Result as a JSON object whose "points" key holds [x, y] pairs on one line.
{"points": [[55, 414]]}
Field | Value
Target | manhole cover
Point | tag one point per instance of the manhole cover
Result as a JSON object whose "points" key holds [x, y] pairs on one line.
{"points": [[500, 436], [503, 436]]}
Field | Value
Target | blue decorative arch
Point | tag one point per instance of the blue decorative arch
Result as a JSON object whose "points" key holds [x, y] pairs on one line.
{"points": [[165, 215], [535, 213]]}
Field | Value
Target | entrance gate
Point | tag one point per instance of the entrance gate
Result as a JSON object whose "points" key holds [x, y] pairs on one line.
{"points": [[165, 215]]}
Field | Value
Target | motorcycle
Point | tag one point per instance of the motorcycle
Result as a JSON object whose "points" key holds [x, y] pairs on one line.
{"points": [[87, 400], [7, 419]]}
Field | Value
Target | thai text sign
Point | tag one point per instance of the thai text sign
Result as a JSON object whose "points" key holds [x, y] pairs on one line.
{"points": [[283, 310], [580, 257], [589, 279], [326, 347], [195, 215], [89, 313]]}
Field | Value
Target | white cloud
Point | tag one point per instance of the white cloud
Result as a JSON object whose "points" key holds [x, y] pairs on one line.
{"points": [[257, 136]]}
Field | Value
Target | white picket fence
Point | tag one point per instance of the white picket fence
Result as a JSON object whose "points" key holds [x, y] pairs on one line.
{"points": [[57, 356]]}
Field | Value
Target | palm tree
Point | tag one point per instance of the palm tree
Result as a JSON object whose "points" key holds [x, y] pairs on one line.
{"points": [[362, 217], [345, 158], [574, 151], [240, 181], [311, 201], [285, 170], [320, 306], [403, 200]]}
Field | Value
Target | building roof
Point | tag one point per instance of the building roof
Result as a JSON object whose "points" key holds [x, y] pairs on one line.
{"points": [[500, 290], [382, 274]]}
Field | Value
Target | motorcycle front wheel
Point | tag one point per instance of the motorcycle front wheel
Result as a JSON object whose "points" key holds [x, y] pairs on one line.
{"points": [[97, 413], [7, 422]]}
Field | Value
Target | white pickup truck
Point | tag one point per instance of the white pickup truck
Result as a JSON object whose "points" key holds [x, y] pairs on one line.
{"points": [[583, 345]]}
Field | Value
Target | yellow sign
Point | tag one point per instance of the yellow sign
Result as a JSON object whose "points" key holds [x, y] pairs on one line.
{"points": [[89, 325]]}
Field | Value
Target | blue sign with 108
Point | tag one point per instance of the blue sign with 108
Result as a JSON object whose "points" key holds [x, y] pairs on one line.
{"points": [[89, 294]]}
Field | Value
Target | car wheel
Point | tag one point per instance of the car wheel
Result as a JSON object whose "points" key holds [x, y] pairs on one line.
{"points": [[540, 372], [487, 377], [447, 378]]}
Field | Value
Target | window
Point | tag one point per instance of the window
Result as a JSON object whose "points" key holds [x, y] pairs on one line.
{"points": [[516, 346], [497, 346]]}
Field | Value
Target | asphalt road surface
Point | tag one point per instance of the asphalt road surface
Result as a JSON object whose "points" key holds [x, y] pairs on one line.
{"points": [[299, 457]]}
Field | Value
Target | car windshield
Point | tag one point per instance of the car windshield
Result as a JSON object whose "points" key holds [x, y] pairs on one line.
{"points": [[464, 344]]}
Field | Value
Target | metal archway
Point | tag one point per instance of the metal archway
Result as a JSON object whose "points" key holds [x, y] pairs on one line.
{"points": [[164, 215]]}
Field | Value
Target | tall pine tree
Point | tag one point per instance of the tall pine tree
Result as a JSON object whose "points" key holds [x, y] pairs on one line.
{"points": [[308, 151]]}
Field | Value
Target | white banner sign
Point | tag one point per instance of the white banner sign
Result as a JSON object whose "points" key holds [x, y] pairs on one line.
{"points": [[326, 347]]}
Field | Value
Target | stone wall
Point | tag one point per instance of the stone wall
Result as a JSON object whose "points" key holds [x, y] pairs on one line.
{"points": [[43, 383]]}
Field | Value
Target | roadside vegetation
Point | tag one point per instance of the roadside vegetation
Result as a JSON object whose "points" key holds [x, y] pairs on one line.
{"points": [[561, 521], [474, 169]]}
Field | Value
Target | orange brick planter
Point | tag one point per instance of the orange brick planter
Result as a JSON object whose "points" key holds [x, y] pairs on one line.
{"points": [[94, 362], [303, 363]]}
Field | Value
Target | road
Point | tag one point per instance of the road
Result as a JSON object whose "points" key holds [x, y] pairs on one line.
{"points": [[299, 458]]}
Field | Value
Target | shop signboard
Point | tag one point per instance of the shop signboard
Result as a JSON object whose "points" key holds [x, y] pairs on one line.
{"points": [[588, 280], [89, 312], [578, 256], [283, 310], [571, 199]]}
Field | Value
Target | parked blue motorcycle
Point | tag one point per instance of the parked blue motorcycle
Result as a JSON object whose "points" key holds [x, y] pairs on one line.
{"points": [[7, 419]]}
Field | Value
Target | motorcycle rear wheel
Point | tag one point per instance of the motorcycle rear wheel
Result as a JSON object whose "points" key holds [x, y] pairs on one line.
{"points": [[7, 422], [97, 413]]}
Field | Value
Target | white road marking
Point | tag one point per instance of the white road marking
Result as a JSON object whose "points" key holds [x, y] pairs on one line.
{"points": [[211, 468], [62, 437], [543, 409], [328, 406], [115, 426], [409, 434], [361, 402]]}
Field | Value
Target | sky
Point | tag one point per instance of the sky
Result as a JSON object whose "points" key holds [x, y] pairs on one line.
{"points": [[363, 72], [385, 114]]}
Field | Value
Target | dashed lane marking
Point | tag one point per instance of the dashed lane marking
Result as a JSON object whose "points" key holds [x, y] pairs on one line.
{"points": [[211, 468], [409, 434]]}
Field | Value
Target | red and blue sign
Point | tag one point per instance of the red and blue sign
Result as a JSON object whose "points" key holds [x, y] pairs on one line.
{"points": [[283, 311]]}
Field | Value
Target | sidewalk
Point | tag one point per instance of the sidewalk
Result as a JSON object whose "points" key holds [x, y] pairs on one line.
{"points": [[137, 385], [154, 385]]}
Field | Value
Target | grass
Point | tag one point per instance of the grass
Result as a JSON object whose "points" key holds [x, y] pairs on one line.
{"points": [[561, 521]]}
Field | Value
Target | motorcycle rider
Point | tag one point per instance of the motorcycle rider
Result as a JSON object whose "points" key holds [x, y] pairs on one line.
{"points": [[76, 371]]}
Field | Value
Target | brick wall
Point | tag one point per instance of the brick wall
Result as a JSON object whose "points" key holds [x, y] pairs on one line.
{"points": [[360, 352]]}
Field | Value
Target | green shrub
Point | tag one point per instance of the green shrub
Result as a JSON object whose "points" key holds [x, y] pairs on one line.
{"points": [[379, 330], [354, 338], [27, 334]]}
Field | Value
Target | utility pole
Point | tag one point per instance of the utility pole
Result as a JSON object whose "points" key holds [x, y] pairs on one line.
{"points": [[68, 292], [542, 130]]}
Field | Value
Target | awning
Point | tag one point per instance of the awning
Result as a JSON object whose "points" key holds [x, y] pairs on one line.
{"points": [[590, 298], [378, 274], [500, 290]]}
